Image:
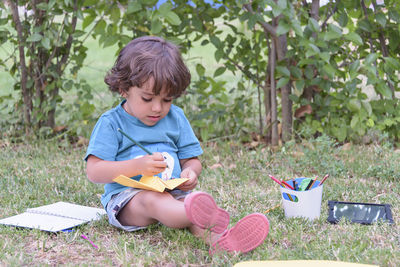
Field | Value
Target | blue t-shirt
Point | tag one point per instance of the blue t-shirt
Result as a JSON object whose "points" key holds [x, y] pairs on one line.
{"points": [[173, 134]]}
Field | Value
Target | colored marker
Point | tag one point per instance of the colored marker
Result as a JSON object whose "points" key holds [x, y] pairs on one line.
{"points": [[90, 241], [311, 183], [323, 180], [281, 184], [136, 143], [271, 209], [287, 185], [275, 180]]}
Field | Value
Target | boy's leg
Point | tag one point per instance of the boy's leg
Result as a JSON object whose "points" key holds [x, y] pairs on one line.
{"points": [[149, 207]]}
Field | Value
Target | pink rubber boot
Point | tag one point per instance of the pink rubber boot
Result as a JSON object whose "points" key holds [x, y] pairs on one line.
{"points": [[202, 211]]}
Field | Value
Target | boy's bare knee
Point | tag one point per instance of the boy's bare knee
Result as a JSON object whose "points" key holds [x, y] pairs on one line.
{"points": [[150, 200]]}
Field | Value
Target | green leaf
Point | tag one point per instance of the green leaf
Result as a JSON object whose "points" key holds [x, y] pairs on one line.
{"points": [[282, 28], [45, 42], [312, 50], [282, 71], [115, 14], [219, 53], [329, 70], [354, 37], [252, 21], [370, 58], [173, 18], [133, 7], [314, 26], [365, 25], [197, 24], [343, 19], [392, 62], [204, 42], [282, 82], [325, 56], [309, 72], [367, 106], [276, 11], [370, 123], [34, 37], [297, 28], [100, 27], [156, 26], [87, 21], [90, 2], [340, 133], [296, 72], [165, 8], [393, 15], [355, 66], [219, 71], [282, 4], [381, 19], [354, 122], [42, 6], [215, 41], [200, 70], [331, 35], [354, 105], [384, 90], [334, 28]]}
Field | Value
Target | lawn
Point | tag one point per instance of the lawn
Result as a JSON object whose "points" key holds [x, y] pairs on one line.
{"points": [[42, 172]]}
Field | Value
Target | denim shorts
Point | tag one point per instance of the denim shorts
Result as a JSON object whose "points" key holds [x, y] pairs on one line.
{"points": [[118, 201]]}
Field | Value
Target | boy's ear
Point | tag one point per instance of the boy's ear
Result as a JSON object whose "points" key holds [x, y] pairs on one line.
{"points": [[123, 93]]}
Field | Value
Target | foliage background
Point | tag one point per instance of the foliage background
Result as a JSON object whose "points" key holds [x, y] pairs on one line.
{"points": [[340, 65]]}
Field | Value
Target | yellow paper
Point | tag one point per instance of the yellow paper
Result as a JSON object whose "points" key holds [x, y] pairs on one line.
{"points": [[300, 263], [152, 183]]}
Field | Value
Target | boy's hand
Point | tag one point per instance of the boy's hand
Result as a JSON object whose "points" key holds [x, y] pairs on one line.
{"points": [[191, 183], [152, 164]]}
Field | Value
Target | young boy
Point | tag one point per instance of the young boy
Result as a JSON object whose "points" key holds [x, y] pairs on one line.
{"points": [[149, 73]]}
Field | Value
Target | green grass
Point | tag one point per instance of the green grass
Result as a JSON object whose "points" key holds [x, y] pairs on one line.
{"points": [[39, 173]]}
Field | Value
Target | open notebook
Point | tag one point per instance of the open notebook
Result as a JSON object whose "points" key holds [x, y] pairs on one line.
{"points": [[55, 217], [152, 183]]}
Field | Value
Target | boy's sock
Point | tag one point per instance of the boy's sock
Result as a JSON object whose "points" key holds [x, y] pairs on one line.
{"points": [[246, 235], [202, 211]]}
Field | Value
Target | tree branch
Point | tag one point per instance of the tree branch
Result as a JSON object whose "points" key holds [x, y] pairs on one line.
{"points": [[268, 27], [330, 15], [22, 62], [68, 45], [385, 51]]}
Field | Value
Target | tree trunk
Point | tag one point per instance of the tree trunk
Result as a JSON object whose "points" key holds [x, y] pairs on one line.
{"points": [[274, 106], [26, 94], [267, 93], [308, 92], [287, 115]]}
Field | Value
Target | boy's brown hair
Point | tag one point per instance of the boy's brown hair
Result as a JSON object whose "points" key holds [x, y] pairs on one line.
{"points": [[145, 57]]}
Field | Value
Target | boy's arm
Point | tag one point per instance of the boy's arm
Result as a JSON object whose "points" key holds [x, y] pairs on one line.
{"points": [[102, 171], [191, 169]]}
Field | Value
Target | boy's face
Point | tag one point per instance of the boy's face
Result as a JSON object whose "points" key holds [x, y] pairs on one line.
{"points": [[144, 105]]}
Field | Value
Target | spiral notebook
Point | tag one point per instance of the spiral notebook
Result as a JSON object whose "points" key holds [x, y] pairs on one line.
{"points": [[55, 217]]}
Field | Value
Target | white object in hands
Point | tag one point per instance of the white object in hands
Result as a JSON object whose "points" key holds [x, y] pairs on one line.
{"points": [[167, 173]]}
